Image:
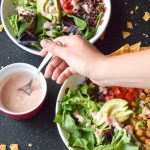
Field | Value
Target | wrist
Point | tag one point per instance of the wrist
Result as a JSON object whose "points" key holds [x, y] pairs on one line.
{"points": [[101, 69]]}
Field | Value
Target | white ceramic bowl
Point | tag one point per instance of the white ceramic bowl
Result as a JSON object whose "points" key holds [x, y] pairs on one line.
{"points": [[72, 83], [7, 9], [22, 67]]}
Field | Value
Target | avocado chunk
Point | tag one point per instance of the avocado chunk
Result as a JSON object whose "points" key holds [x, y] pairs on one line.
{"points": [[113, 104], [115, 107], [50, 9]]}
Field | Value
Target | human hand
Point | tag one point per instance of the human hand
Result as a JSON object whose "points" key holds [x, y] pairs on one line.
{"points": [[76, 55]]}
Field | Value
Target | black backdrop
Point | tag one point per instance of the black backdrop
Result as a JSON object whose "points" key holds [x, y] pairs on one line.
{"points": [[40, 130]]}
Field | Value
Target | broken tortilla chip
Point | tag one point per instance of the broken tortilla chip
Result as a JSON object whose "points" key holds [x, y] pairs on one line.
{"points": [[14, 147], [136, 7], [146, 16], [135, 47], [2, 146], [125, 34], [122, 50], [144, 48], [1, 27], [131, 12], [102, 36], [129, 25], [129, 49]]}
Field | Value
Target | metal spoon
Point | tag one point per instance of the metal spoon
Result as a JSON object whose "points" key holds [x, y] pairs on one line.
{"points": [[27, 88]]}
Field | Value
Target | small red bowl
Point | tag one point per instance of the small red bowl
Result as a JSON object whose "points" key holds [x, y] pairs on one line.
{"points": [[23, 67]]}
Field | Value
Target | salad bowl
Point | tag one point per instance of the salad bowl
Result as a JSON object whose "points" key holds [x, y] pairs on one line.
{"points": [[5, 4]]}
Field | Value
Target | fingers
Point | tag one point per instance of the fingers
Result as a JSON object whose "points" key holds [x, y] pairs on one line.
{"points": [[66, 74], [53, 64], [53, 47], [59, 70]]}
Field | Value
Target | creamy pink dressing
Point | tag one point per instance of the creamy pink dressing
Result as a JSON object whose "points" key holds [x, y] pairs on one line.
{"points": [[15, 100]]}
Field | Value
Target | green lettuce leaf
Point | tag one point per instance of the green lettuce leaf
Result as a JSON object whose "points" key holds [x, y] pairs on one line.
{"points": [[81, 24], [13, 21]]}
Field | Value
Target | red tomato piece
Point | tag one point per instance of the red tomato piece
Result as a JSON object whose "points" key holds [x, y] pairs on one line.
{"points": [[104, 10], [67, 5], [129, 96], [101, 21], [117, 92], [68, 11], [123, 91]]}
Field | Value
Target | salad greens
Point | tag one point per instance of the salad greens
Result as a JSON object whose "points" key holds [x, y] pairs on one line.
{"points": [[79, 115], [44, 19]]}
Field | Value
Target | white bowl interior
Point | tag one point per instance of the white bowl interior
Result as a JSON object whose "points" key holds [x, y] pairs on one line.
{"points": [[72, 83], [7, 9], [22, 67]]}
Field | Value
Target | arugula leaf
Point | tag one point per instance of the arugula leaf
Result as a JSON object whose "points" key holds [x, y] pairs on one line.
{"points": [[81, 24]]}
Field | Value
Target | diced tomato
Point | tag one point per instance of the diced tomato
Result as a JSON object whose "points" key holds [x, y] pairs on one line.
{"points": [[101, 21], [130, 96], [105, 8], [67, 5], [68, 11], [123, 90], [117, 92], [109, 97]]}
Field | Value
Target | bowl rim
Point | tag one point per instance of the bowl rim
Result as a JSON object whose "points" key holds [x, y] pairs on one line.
{"points": [[34, 51], [42, 80]]}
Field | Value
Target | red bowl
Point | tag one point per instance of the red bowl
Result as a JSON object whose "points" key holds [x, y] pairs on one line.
{"points": [[22, 67]]}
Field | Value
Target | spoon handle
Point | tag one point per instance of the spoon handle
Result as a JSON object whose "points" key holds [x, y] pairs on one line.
{"points": [[44, 62]]}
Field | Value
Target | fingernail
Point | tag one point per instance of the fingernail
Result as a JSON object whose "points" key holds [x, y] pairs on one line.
{"points": [[43, 43]]}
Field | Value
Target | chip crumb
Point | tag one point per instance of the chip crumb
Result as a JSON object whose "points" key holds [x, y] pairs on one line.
{"points": [[1, 27], [146, 16], [135, 24], [125, 3], [102, 36], [30, 145], [125, 34], [146, 35], [2, 146], [131, 12], [129, 25], [136, 7], [14, 147]]}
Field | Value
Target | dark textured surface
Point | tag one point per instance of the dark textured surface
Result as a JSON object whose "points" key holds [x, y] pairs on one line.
{"points": [[40, 130]]}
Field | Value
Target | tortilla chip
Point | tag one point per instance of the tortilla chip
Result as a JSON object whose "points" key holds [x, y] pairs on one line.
{"points": [[2, 146], [102, 36], [146, 16], [136, 7], [129, 49], [131, 12], [124, 49], [14, 147], [1, 27], [144, 48], [125, 34], [135, 47], [129, 25]]}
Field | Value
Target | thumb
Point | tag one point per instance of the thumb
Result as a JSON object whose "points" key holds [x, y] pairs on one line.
{"points": [[55, 48]]}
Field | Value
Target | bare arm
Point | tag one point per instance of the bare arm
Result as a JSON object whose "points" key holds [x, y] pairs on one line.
{"points": [[79, 56], [132, 70]]}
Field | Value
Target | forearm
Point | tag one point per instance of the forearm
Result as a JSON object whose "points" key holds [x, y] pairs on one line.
{"points": [[130, 70]]}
